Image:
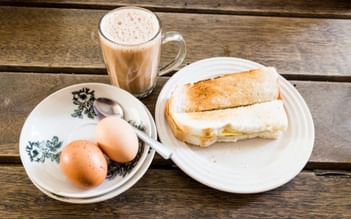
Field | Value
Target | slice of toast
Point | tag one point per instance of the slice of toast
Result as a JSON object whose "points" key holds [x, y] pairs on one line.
{"points": [[264, 120], [227, 91]]}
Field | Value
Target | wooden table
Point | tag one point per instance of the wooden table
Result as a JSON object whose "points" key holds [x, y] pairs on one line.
{"points": [[46, 45]]}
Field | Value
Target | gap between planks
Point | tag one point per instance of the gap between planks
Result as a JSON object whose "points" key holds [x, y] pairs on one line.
{"points": [[102, 71], [323, 168], [329, 171], [184, 9]]}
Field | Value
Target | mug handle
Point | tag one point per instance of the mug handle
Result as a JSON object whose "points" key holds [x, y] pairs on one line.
{"points": [[174, 36]]}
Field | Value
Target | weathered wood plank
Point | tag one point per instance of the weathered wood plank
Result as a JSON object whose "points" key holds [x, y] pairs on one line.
{"points": [[330, 106], [328, 102], [172, 194], [302, 8], [33, 38]]}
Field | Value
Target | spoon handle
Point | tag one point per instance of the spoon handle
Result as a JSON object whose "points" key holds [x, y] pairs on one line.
{"points": [[160, 148]]}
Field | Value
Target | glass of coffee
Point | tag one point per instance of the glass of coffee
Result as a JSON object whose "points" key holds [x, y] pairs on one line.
{"points": [[131, 39]]}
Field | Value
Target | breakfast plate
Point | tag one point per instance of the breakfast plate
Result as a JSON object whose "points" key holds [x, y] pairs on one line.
{"points": [[249, 166], [124, 187], [68, 115]]}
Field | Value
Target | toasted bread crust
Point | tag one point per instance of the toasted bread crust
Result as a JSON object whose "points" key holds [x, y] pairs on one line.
{"points": [[232, 90], [177, 130], [181, 132]]}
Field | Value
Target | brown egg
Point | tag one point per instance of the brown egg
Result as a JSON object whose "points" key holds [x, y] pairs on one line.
{"points": [[83, 163], [117, 139]]}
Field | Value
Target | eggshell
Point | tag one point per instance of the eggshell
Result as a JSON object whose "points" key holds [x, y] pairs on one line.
{"points": [[83, 163], [117, 139]]}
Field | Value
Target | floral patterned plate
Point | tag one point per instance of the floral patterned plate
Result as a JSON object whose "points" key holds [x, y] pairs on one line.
{"points": [[67, 115], [118, 190]]}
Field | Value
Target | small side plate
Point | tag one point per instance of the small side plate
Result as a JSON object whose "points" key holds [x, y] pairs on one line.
{"points": [[68, 115]]}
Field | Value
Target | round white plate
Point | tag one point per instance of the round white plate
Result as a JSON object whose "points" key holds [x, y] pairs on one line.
{"points": [[248, 166], [68, 115], [118, 190]]}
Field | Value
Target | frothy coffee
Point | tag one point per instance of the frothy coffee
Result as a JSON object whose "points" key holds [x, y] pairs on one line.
{"points": [[130, 42], [129, 26]]}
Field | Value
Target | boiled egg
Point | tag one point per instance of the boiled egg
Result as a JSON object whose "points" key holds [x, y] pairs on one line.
{"points": [[83, 163], [117, 139]]}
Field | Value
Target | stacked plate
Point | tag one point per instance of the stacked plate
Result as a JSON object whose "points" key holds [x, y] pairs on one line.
{"points": [[68, 115]]}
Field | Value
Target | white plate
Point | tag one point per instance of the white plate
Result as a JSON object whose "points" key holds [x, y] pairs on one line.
{"points": [[249, 166], [118, 190], [64, 116]]}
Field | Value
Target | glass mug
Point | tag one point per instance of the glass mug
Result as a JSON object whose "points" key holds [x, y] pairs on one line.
{"points": [[131, 39]]}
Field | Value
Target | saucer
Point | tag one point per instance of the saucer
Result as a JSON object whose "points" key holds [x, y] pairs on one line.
{"points": [[68, 115], [118, 190]]}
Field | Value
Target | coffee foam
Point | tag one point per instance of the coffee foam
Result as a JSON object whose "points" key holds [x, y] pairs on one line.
{"points": [[129, 26]]}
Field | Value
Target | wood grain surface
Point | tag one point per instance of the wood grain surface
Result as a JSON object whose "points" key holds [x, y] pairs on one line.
{"points": [[302, 8], [65, 40], [328, 103], [305, 40], [172, 194]]}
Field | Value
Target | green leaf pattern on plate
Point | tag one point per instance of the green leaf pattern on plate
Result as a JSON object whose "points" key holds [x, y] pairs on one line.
{"points": [[40, 151], [84, 99]]}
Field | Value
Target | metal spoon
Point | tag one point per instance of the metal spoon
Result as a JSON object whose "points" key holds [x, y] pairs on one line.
{"points": [[107, 107]]}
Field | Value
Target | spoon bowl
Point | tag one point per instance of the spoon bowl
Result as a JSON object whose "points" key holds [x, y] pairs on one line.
{"points": [[104, 107]]}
